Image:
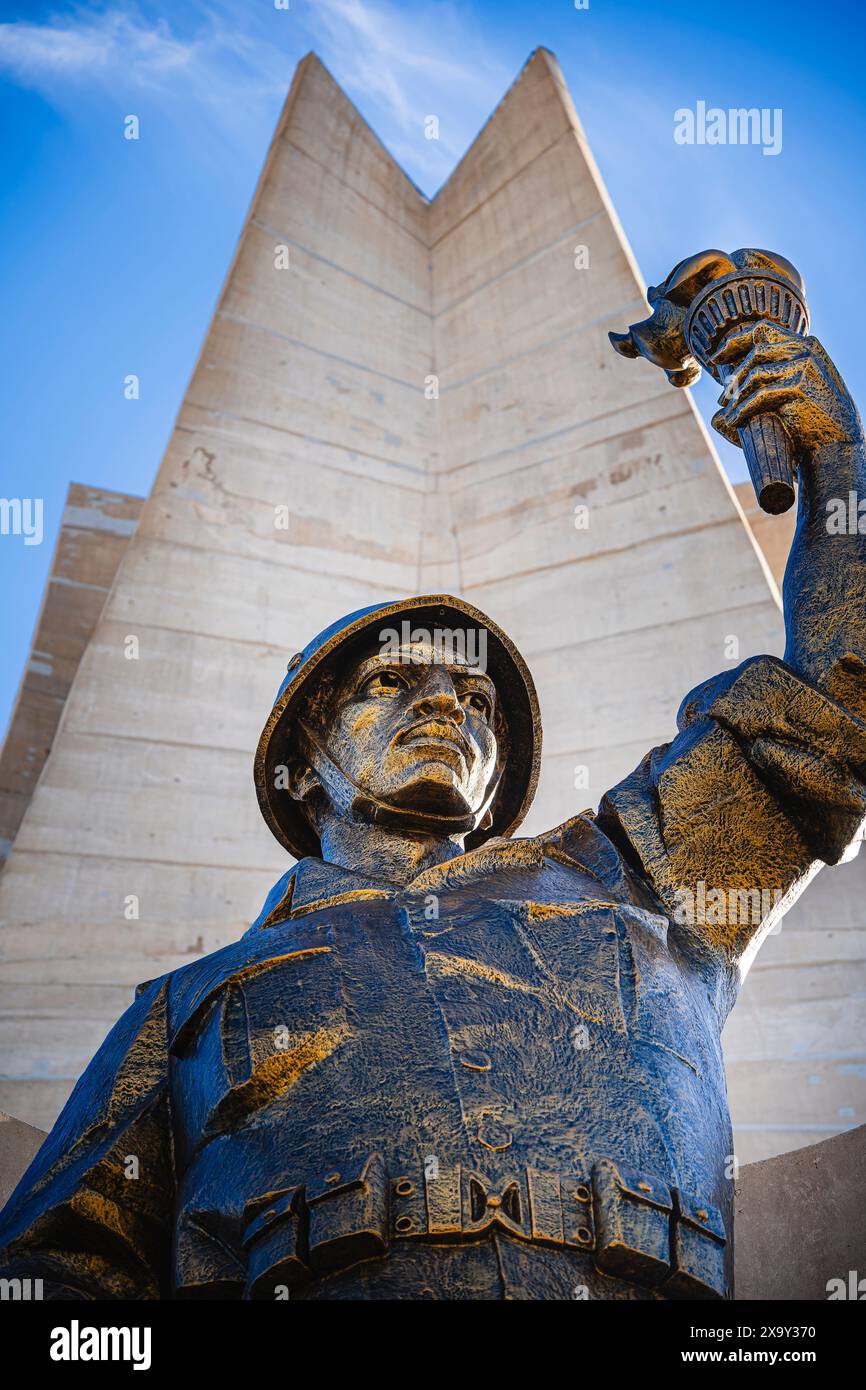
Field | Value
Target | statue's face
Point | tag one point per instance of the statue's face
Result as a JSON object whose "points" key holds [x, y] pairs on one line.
{"points": [[416, 731]]}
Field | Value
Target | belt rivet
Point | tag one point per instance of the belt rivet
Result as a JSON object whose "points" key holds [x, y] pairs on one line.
{"points": [[333, 1177], [702, 1215], [494, 1201], [644, 1187]]}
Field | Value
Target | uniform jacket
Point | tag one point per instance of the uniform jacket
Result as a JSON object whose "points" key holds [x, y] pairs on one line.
{"points": [[523, 1043]]}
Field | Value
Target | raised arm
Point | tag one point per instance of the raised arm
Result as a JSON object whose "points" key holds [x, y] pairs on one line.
{"points": [[766, 779], [825, 580]]}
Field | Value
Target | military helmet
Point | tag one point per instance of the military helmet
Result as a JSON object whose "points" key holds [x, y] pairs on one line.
{"points": [[333, 648]]}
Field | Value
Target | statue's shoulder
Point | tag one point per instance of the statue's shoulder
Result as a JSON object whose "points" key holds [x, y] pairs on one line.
{"points": [[582, 842], [189, 976], [193, 985]]}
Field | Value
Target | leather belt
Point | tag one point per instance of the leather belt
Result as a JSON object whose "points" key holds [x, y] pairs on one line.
{"points": [[635, 1226]]}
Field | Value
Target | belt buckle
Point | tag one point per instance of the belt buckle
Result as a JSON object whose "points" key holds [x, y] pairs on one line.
{"points": [[487, 1203], [454, 1202]]}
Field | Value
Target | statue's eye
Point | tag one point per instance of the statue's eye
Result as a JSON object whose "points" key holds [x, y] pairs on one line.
{"points": [[477, 701], [384, 683]]}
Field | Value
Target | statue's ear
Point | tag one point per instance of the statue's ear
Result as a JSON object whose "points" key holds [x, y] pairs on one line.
{"points": [[302, 781]]}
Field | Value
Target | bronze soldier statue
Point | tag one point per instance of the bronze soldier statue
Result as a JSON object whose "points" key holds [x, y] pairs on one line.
{"points": [[444, 1062]]}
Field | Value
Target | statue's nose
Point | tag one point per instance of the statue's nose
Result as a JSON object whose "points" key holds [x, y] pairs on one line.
{"points": [[438, 697]]}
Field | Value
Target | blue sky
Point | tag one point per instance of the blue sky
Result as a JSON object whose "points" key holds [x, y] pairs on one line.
{"points": [[114, 251]]}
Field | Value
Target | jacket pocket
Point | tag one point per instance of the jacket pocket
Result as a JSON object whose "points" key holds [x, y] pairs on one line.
{"points": [[663, 1004], [253, 1036], [577, 944]]}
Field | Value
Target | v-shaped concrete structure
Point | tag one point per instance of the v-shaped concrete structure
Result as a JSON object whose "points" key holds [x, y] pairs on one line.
{"points": [[427, 393]]}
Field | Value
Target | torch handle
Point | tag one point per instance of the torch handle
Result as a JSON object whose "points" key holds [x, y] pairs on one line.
{"points": [[767, 448], [770, 457]]}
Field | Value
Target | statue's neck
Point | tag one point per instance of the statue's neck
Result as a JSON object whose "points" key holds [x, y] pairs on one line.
{"points": [[394, 856]]}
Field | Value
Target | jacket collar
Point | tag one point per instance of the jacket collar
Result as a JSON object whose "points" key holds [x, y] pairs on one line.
{"points": [[314, 883], [320, 884]]}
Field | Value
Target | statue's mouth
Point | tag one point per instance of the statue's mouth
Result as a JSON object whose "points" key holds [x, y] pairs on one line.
{"points": [[435, 733]]}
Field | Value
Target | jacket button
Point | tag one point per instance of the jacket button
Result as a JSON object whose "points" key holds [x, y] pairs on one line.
{"points": [[493, 1135], [475, 1061]]}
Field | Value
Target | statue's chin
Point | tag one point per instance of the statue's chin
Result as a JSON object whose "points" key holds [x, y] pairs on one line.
{"points": [[438, 791]]}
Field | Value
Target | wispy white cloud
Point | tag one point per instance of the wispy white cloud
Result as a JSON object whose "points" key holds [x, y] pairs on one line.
{"points": [[232, 63], [414, 62], [214, 85], [95, 45]]}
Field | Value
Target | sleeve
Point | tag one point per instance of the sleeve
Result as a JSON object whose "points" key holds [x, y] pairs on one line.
{"points": [[764, 783], [92, 1215]]}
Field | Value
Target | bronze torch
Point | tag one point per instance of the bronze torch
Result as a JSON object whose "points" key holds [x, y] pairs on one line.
{"points": [[702, 304]]}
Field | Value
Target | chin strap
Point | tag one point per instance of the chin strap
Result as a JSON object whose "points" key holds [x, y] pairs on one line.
{"points": [[350, 798]]}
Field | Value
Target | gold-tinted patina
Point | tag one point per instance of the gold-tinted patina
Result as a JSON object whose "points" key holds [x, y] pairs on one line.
{"points": [[444, 1062]]}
